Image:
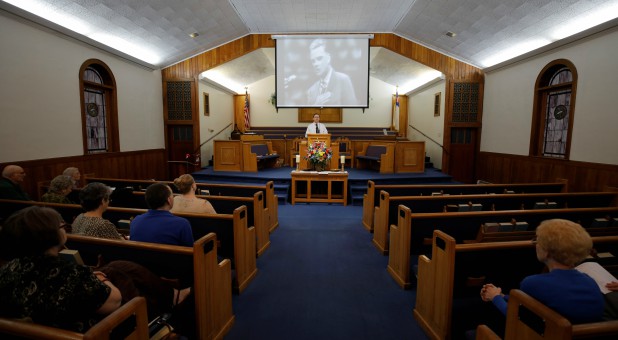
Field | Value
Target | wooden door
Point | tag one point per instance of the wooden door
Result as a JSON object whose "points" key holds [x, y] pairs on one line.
{"points": [[179, 145], [462, 154], [181, 125]]}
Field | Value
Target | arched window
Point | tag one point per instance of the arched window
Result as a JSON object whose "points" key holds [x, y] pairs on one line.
{"points": [[98, 107], [554, 104]]}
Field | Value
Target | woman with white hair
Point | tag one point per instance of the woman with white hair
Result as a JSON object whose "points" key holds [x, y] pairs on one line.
{"points": [[74, 175], [560, 245]]}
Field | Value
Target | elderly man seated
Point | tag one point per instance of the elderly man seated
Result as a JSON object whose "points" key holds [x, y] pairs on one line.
{"points": [[10, 183]]}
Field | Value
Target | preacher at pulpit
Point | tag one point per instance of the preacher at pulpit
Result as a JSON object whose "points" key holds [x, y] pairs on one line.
{"points": [[316, 126]]}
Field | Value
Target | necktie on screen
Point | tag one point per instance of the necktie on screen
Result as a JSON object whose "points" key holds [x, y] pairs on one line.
{"points": [[322, 86], [317, 128]]}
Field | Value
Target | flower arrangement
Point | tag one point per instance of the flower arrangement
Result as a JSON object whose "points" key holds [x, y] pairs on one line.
{"points": [[318, 154]]}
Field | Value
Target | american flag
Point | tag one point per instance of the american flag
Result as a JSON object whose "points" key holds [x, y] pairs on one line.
{"points": [[246, 110]]}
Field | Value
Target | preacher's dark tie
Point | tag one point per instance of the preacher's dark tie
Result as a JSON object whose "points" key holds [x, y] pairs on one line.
{"points": [[317, 128]]}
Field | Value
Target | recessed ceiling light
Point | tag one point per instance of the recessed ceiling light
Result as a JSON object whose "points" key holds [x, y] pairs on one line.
{"points": [[451, 34], [193, 35]]}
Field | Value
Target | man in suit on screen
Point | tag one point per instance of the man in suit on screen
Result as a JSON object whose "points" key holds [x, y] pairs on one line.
{"points": [[332, 87]]}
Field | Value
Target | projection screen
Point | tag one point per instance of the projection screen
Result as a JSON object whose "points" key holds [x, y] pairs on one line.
{"points": [[322, 70]]}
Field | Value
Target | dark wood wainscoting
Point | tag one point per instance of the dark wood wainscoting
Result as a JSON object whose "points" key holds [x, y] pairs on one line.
{"points": [[143, 164], [582, 176]]}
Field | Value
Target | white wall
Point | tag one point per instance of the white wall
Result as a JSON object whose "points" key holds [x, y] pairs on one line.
{"points": [[377, 115], [509, 93], [40, 99], [421, 116], [219, 124]]}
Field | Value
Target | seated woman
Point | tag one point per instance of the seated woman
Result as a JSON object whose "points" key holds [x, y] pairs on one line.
{"points": [[37, 284], [74, 175], [187, 201], [94, 198], [561, 245], [59, 188]]}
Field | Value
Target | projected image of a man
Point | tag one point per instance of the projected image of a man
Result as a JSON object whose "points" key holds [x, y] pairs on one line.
{"points": [[332, 87]]}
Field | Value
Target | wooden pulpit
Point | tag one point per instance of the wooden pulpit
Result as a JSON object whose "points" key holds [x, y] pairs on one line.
{"points": [[319, 137]]}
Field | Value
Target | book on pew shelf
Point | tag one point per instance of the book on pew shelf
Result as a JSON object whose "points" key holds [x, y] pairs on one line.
{"points": [[599, 274], [521, 226], [491, 227], [545, 205], [505, 226], [464, 207], [511, 226], [600, 223], [615, 222], [205, 192], [71, 256]]}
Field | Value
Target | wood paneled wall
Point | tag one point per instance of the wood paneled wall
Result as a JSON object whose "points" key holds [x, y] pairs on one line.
{"points": [[452, 68], [582, 176], [143, 164]]}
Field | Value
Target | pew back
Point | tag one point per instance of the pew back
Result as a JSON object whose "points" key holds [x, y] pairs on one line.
{"points": [[227, 205], [527, 318], [456, 272], [236, 238], [413, 232], [271, 211], [386, 213], [197, 267], [371, 198], [130, 321], [237, 241]]}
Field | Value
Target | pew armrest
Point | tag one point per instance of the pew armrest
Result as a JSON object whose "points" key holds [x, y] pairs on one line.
{"points": [[102, 330]]}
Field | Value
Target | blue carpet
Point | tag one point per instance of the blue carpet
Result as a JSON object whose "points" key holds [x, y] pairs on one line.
{"points": [[430, 175], [322, 278]]}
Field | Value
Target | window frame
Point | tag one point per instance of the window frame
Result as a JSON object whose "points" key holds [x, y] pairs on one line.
{"points": [[111, 104], [541, 91]]}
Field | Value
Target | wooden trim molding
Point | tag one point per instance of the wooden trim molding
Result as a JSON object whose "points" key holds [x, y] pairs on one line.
{"points": [[582, 176], [141, 164], [327, 115]]}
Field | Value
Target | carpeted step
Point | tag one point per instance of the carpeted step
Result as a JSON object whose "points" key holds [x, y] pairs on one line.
{"points": [[282, 190], [356, 193]]}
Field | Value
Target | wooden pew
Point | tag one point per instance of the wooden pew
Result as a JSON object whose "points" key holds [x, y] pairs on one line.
{"points": [[226, 205], [131, 317], [235, 238], [237, 241], [371, 199], [413, 232], [197, 267], [377, 155], [271, 205], [527, 318], [456, 272], [258, 154], [386, 213]]}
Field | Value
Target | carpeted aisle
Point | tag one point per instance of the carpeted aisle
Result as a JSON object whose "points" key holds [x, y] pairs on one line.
{"points": [[322, 278]]}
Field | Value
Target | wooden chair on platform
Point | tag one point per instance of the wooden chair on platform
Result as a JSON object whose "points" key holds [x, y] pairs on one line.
{"points": [[345, 149], [294, 150]]}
